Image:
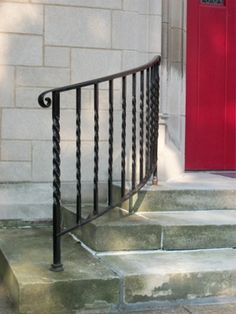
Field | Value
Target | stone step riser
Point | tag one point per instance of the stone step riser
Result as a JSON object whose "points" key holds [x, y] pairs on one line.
{"points": [[155, 231], [172, 287], [157, 237], [195, 199], [176, 275]]}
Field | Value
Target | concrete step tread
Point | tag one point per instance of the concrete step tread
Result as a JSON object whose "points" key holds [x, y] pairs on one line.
{"points": [[169, 218], [25, 257], [172, 262], [176, 275], [200, 217]]}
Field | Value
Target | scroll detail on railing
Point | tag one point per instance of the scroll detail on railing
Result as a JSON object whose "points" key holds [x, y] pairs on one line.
{"points": [[148, 102]]}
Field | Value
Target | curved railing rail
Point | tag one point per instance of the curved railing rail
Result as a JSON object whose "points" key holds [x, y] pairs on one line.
{"points": [[148, 99]]}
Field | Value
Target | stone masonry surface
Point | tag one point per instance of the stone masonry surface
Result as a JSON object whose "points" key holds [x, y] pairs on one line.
{"points": [[51, 43]]}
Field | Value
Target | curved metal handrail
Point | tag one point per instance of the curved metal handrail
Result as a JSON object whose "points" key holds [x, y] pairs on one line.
{"points": [[42, 99], [148, 131]]}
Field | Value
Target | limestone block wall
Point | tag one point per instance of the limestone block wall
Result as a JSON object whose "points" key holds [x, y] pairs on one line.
{"points": [[50, 43], [173, 87]]}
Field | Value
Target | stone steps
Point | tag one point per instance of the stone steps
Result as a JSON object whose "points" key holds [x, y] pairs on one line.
{"points": [[25, 256], [166, 276], [175, 249], [168, 198], [121, 282], [172, 230]]}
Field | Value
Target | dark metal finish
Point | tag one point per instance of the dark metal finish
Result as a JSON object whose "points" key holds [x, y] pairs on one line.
{"points": [[57, 265], [156, 110], [78, 155], [147, 130], [133, 131], [96, 150], [147, 122], [152, 117], [123, 136], [141, 126], [110, 158]]}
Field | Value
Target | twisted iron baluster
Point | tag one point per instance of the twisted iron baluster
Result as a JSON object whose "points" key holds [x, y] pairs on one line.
{"points": [[133, 131], [153, 124], [123, 136], [110, 152], [96, 150], [56, 266], [152, 136], [141, 126], [157, 94], [78, 154], [147, 122]]}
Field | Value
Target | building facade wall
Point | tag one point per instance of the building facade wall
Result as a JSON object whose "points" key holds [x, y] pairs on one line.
{"points": [[173, 93], [50, 43]]}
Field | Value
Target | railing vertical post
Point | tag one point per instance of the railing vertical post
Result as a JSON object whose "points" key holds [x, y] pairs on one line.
{"points": [[57, 265], [157, 87], [78, 155], [151, 122], [133, 131], [96, 149], [147, 158], [153, 125], [123, 136], [141, 126], [110, 153]]}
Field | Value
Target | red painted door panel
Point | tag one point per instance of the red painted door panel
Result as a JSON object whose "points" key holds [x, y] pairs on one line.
{"points": [[211, 86]]}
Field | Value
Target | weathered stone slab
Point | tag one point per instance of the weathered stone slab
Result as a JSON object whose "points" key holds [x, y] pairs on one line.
{"points": [[176, 275], [15, 171], [21, 18], [82, 27], [168, 231], [110, 4], [154, 36], [199, 237], [136, 37], [25, 258], [27, 97], [17, 123], [7, 86], [94, 63], [30, 48], [161, 199], [119, 231], [155, 7], [136, 5], [45, 77], [15, 150], [57, 56]]}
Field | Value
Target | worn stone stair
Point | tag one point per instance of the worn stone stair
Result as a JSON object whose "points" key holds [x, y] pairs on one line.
{"points": [[171, 230], [110, 282], [179, 254]]}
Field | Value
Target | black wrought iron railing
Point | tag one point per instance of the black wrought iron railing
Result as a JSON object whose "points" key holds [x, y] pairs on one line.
{"points": [[144, 138]]}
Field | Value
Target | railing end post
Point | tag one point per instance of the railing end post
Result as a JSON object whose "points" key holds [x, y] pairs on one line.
{"points": [[57, 267]]}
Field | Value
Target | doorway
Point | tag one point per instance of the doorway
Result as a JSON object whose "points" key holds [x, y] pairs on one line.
{"points": [[211, 85]]}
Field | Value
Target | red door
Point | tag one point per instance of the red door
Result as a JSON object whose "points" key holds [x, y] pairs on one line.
{"points": [[211, 85]]}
